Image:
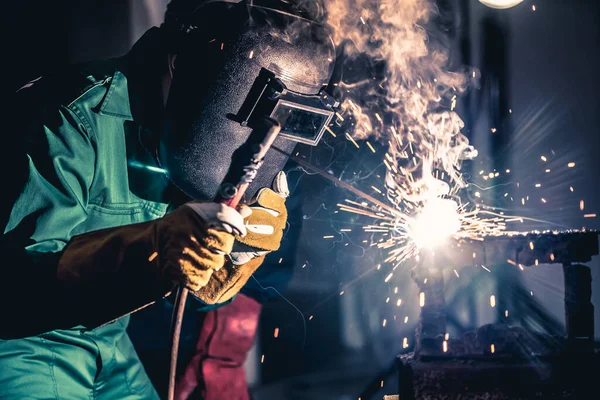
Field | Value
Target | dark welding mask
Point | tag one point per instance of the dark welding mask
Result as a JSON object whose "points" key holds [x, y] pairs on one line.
{"points": [[236, 64]]}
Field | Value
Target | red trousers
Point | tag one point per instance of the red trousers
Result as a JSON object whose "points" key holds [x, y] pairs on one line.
{"points": [[216, 370]]}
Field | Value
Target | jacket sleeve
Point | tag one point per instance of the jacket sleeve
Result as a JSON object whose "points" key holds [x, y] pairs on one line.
{"points": [[52, 157], [49, 279]]}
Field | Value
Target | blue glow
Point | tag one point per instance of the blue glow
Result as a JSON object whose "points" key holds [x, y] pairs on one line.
{"points": [[137, 164]]}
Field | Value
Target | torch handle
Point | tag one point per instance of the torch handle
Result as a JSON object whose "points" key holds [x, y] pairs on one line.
{"points": [[243, 169]]}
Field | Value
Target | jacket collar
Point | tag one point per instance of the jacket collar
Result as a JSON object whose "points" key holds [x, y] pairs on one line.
{"points": [[116, 103]]}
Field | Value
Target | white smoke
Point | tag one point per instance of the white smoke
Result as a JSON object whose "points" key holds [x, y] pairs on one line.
{"points": [[417, 93]]}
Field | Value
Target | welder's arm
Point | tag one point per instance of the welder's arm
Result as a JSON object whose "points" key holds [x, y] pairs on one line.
{"points": [[105, 274]]}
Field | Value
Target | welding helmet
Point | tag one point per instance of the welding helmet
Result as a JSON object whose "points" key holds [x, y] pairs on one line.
{"points": [[237, 63]]}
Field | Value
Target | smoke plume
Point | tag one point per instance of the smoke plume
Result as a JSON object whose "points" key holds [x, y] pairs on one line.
{"points": [[411, 105]]}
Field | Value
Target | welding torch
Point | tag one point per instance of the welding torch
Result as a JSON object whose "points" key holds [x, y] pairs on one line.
{"points": [[246, 162]]}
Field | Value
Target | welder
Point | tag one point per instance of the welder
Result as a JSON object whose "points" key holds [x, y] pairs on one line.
{"points": [[110, 168]]}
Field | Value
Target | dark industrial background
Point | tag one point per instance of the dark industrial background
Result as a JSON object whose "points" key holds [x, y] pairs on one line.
{"points": [[538, 92]]}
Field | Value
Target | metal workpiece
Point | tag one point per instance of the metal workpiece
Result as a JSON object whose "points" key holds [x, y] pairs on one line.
{"points": [[521, 249], [492, 360]]}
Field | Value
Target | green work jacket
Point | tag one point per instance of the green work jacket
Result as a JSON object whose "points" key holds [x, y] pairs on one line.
{"points": [[73, 162]]}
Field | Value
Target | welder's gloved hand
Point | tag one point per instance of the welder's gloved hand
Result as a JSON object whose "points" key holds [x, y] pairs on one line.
{"points": [[112, 272], [195, 240], [264, 227]]}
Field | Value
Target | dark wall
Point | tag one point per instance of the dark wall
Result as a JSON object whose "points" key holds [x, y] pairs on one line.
{"points": [[42, 35]]}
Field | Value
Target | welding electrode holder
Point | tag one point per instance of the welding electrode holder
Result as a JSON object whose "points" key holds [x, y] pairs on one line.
{"points": [[244, 167]]}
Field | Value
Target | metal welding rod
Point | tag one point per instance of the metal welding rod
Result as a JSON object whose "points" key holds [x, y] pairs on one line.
{"points": [[337, 181]]}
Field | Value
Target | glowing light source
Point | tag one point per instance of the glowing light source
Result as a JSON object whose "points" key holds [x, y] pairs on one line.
{"points": [[500, 4], [437, 221], [136, 164]]}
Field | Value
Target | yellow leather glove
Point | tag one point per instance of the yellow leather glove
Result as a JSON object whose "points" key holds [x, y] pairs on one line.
{"points": [[184, 247], [105, 274], [264, 227], [196, 239]]}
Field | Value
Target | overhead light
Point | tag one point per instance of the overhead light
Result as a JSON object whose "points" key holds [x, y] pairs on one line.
{"points": [[500, 4]]}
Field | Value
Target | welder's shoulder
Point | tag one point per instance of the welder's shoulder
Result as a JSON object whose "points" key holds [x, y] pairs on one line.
{"points": [[79, 88]]}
